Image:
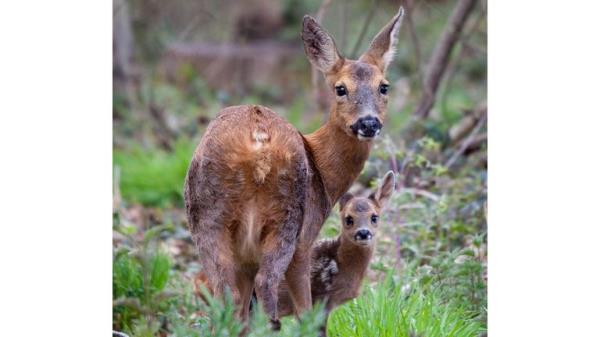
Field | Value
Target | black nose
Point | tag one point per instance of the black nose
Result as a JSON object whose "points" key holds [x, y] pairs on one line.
{"points": [[369, 126], [363, 234]]}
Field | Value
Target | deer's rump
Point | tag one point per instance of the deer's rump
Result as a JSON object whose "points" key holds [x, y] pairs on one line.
{"points": [[247, 176]]}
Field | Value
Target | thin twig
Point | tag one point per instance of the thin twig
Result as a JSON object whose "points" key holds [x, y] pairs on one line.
{"points": [[363, 30], [410, 9], [452, 68], [460, 130], [441, 55], [465, 144], [420, 192], [344, 23], [321, 12]]}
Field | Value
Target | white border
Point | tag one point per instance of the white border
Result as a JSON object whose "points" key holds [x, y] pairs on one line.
{"points": [[543, 168], [55, 142], [55, 138]]}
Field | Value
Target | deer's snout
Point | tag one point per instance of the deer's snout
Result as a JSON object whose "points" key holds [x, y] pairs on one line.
{"points": [[367, 127], [363, 234]]}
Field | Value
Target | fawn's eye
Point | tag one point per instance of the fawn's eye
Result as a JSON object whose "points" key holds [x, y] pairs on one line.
{"points": [[383, 88], [349, 221], [374, 218], [340, 90]]}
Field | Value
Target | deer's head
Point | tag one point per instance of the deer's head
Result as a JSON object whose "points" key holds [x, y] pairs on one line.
{"points": [[359, 86], [360, 215]]}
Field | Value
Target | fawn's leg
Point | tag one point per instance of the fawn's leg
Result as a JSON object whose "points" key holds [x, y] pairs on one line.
{"points": [[245, 284], [328, 308], [298, 278], [323, 329]]}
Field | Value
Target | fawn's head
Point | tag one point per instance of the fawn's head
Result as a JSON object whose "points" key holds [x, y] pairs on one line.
{"points": [[360, 215], [359, 86]]}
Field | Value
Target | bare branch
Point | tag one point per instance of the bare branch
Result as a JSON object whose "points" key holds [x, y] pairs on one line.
{"points": [[363, 30], [453, 66], [321, 12], [477, 142], [461, 129], [420, 192], [344, 29], [441, 55], [410, 8], [468, 141]]}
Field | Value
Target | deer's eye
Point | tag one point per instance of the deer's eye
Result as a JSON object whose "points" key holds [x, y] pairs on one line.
{"points": [[340, 90], [374, 218], [383, 89], [349, 221]]}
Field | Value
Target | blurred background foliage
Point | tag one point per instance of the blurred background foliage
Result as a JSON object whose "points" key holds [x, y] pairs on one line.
{"points": [[177, 63]]}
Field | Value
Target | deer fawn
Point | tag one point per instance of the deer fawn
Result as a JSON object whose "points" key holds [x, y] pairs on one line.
{"points": [[338, 266], [257, 191]]}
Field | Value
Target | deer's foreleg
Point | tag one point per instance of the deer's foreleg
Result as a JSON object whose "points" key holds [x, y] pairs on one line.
{"points": [[245, 285], [298, 279]]}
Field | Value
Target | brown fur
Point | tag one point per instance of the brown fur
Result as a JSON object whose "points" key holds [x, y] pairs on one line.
{"points": [[257, 191], [338, 266]]}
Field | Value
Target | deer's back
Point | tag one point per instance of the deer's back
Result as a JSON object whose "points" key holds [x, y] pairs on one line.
{"points": [[248, 167]]}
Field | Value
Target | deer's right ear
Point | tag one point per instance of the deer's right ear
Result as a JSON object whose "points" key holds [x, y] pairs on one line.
{"points": [[385, 190], [319, 46], [344, 200], [383, 47]]}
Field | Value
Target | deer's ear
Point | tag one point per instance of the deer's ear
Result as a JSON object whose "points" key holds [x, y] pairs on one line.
{"points": [[319, 46], [383, 47], [385, 190], [344, 199]]}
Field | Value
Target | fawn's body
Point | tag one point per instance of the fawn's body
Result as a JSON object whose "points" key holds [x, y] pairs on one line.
{"points": [[257, 191], [339, 265]]}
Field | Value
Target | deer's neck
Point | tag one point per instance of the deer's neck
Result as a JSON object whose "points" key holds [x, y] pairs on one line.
{"points": [[338, 157], [354, 259]]}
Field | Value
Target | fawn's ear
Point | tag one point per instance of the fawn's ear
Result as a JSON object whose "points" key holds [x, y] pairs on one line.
{"points": [[385, 190], [383, 47], [344, 199], [319, 46]]}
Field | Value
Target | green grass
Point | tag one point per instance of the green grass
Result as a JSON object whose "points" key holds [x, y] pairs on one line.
{"points": [[391, 309], [147, 304], [153, 298], [153, 177]]}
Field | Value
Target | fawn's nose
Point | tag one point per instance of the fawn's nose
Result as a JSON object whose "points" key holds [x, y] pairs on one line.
{"points": [[369, 126], [363, 234]]}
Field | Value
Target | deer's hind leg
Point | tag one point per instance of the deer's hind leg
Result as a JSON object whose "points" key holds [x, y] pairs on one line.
{"points": [[208, 219], [277, 254], [279, 244]]}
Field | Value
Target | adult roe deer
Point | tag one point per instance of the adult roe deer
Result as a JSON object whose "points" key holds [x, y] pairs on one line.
{"points": [[257, 191]]}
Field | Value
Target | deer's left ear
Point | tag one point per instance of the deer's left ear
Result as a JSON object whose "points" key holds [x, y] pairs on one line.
{"points": [[319, 46], [385, 190], [344, 200], [382, 48]]}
